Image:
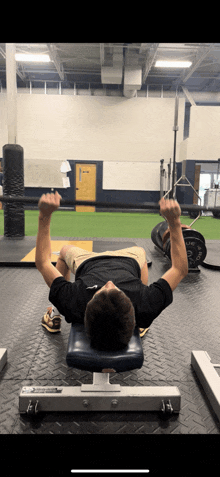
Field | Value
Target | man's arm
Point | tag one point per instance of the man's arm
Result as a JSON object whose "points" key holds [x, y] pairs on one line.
{"points": [[48, 203], [144, 274], [170, 209]]}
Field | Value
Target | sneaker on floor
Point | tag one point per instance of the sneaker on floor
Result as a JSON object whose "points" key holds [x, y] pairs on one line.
{"points": [[142, 331], [53, 325]]}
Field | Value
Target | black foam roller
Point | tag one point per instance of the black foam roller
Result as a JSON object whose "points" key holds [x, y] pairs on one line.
{"points": [[13, 185]]}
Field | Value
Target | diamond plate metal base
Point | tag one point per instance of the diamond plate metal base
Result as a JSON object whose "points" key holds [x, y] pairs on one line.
{"points": [[37, 358]]}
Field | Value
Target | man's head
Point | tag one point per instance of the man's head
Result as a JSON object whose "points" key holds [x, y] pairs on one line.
{"points": [[109, 319]]}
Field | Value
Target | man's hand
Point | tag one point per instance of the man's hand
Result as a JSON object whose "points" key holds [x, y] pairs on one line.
{"points": [[48, 203], [170, 210]]}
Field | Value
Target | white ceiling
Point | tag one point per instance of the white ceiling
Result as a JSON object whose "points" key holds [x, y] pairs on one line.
{"points": [[80, 65]]}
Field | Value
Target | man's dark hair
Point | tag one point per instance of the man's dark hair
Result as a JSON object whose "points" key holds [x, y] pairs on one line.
{"points": [[109, 320]]}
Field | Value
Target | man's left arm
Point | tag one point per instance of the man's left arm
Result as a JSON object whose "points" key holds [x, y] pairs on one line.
{"points": [[48, 203], [144, 274]]}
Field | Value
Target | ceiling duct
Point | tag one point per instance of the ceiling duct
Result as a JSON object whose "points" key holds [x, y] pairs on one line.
{"points": [[113, 74], [132, 72], [132, 81]]}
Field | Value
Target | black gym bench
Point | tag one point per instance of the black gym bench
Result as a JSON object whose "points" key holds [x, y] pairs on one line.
{"points": [[100, 395]]}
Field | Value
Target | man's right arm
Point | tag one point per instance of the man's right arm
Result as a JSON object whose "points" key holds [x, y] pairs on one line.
{"points": [[171, 211]]}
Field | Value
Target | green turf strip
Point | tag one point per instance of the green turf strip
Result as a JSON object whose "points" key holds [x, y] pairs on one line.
{"points": [[109, 224]]}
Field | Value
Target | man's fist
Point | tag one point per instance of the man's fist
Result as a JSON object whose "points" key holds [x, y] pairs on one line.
{"points": [[48, 203], [170, 209]]}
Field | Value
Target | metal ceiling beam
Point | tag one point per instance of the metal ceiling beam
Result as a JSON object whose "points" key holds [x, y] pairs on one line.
{"points": [[189, 96], [2, 52], [200, 56], [212, 83], [151, 55], [19, 73], [54, 57]]}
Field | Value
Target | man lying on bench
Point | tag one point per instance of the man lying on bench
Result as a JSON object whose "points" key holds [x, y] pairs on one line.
{"points": [[110, 293]]}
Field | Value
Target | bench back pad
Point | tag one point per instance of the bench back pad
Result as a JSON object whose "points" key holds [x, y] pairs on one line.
{"points": [[80, 355]]}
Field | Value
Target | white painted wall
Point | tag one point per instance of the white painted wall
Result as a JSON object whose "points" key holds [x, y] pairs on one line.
{"points": [[109, 129], [204, 134], [124, 176]]}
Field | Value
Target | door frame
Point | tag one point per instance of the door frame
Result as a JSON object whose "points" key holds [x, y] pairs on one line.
{"points": [[85, 162]]}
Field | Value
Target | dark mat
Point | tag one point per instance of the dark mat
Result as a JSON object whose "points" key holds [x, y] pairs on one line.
{"points": [[101, 246], [12, 251]]}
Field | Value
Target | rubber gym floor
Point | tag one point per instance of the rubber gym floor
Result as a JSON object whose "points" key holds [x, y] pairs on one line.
{"points": [[36, 357]]}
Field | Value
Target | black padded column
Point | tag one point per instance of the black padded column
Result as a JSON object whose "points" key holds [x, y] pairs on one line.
{"points": [[13, 184]]}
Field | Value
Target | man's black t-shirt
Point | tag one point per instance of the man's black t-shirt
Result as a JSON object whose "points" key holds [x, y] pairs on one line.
{"points": [[71, 298]]}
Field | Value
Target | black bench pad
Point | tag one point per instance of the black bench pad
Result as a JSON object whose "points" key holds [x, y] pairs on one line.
{"points": [[80, 355]]}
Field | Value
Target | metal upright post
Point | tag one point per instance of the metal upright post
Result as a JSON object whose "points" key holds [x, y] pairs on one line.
{"points": [[175, 129], [169, 175], [161, 178]]}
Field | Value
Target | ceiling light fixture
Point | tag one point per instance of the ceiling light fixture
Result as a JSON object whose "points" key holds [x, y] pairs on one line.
{"points": [[32, 58], [173, 64]]}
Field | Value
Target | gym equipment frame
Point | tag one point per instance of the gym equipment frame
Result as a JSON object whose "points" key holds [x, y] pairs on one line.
{"points": [[208, 377], [101, 395]]}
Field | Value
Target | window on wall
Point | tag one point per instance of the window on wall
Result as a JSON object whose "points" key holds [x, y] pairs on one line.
{"points": [[209, 177], [204, 184]]}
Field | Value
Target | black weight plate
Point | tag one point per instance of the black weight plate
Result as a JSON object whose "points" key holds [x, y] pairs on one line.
{"points": [[216, 215], [193, 233], [196, 251], [157, 233], [193, 215]]}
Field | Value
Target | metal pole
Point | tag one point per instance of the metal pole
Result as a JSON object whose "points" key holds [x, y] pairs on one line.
{"points": [[169, 174], [175, 129], [161, 177], [172, 194], [108, 205], [11, 92]]}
